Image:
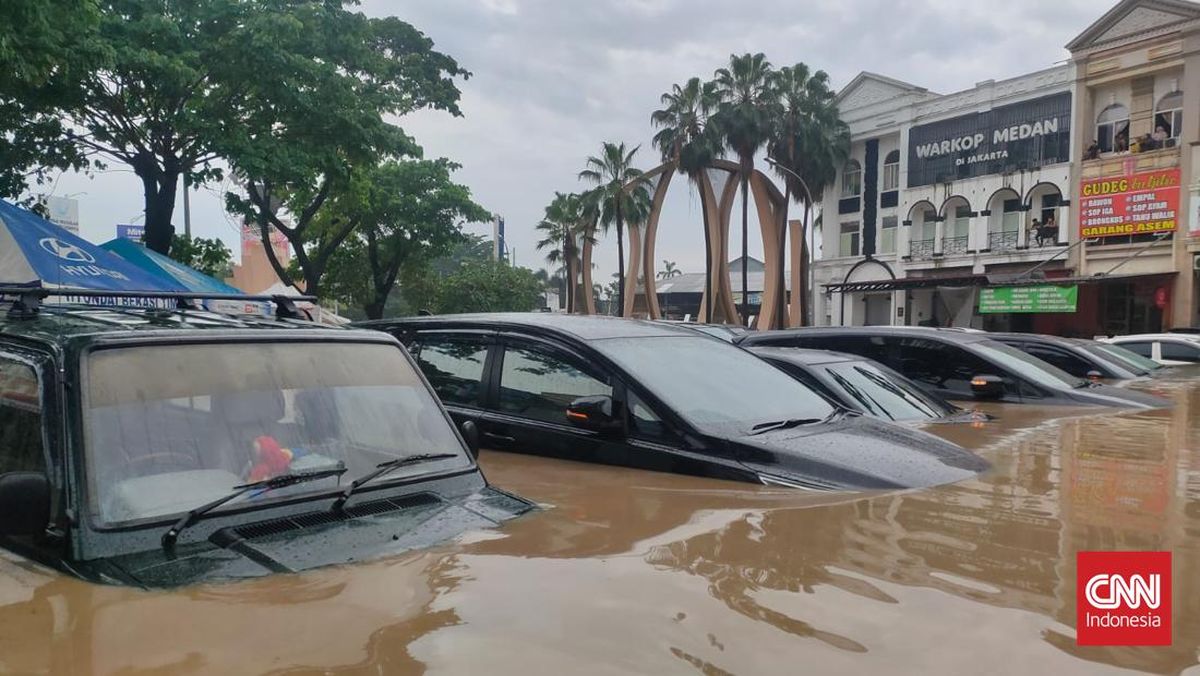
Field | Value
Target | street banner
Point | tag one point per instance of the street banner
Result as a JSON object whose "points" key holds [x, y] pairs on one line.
{"points": [[1137, 204], [1027, 299]]}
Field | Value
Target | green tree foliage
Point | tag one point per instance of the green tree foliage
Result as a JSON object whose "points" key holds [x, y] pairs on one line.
{"points": [[618, 195], [489, 286], [563, 229], [209, 256], [410, 212], [314, 124]]}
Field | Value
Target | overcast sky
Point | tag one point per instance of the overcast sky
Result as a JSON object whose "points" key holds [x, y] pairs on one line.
{"points": [[552, 79]]}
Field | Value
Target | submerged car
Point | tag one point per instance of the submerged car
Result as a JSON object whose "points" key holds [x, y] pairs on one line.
{"points": [[960, 365], [865, 386], [1167, 349], [659, 397], [158, 448], [1078, 357]]}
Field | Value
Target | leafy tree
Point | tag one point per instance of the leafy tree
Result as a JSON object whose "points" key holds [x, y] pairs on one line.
{"points": [[314, 123], [620, 196], [564, 228], [669, 270], [745, 120], [489, 286], [808, 142], [209, 256], [688, 137], [410, 212]]}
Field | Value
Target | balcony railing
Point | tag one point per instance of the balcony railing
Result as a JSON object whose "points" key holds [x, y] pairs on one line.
{"points": [[920, 248], [1003, 241], [954, 245]]}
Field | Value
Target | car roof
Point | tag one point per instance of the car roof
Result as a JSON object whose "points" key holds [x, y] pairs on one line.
{"points": [[582, 327], [804, 356], [1033, 337], [58, 323], [949, 334], [1185, 337]]}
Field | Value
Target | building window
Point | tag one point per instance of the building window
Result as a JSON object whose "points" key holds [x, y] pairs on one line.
{"points": [[887, 235], [891, 171], [849, 239], [852, 179], [1168, 119], [1011, 220], [1112, 129]]}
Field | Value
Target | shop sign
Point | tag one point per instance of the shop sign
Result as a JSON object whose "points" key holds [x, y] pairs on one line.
{"points": [[1019, 136], [1025, 299], [1137, 204]]}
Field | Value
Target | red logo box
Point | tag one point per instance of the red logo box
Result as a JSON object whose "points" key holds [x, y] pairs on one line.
{"points": [[1123, 598]]}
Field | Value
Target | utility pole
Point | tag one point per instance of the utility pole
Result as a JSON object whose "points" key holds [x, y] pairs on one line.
{"points": [[187, 208]]}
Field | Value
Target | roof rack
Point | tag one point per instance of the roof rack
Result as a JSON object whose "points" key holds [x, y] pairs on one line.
{"points": [[28, 299]]}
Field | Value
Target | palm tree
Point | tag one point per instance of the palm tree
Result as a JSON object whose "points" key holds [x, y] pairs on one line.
{"points": [[687, 138], [563, 228], [620, 197], [669, 270], [809, 141], [744, 118]]}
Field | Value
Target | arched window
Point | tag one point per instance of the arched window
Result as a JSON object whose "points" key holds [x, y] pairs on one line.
{"points": [[891, 171], [852, 179], [1112, 129], [1168, 119]]}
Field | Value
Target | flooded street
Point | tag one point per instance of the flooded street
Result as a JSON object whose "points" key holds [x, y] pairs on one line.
{"points": [[628, 571]]}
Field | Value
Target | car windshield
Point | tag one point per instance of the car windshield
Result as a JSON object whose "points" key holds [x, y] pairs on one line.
{"points": [[1126, 358], [1027, 366], [713, 385], [171, 427], [884, 394]]}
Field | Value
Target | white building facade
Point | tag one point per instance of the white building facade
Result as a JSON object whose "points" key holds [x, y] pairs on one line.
{"points": [[942, 191]]}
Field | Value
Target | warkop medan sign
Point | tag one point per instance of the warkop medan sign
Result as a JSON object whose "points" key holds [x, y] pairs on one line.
{"points": [[1015, 137]]}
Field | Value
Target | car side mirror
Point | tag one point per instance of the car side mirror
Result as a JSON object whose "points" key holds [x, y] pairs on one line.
{"points": [[1094, 376], [594, 413], [470, 433], [24, 503], [986, 386]]}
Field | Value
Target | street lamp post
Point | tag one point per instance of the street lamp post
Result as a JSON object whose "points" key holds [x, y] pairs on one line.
{"points": [[804, 304]]}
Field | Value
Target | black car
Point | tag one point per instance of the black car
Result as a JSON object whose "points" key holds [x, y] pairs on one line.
{"points": [[659, 397], [1078, 357], [865, 386], [156, 448], [959, 365]]}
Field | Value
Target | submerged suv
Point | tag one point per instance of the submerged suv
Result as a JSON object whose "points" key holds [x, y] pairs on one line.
{"points": [[157, 448], [660, 397]]}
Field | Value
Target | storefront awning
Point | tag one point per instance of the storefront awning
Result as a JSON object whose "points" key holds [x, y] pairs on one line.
{"points": [[907, 283]]}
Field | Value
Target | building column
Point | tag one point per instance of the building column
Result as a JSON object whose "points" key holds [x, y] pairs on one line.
{"points": [[1023, 231], [939, 233], [1064, 221]]}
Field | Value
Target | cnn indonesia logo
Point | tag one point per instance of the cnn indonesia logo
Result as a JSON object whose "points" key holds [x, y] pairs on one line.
{"points": [[1123, 598]]}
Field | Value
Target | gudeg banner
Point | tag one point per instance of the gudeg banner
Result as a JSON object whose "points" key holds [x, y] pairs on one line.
{"points": [[1136, 204]]}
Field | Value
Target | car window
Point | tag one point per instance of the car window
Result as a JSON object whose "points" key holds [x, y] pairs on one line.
{"points": [[882, 394], [454, 367], [1132, 361], [539, 383], [1027, 367], [1180, 351], [1143, 348], [212, 416], [20, 418], [644, 423], [941, 365], [1064, 360]]}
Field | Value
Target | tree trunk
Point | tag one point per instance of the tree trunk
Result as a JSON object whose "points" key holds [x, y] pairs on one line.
{"points": [[745, 238], [159, 189], [708, 256], [374, 309], [620, 263], [804, 261]]}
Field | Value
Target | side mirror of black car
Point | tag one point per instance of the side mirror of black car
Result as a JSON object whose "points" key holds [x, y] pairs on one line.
{"points": [[24, 503], [470, 433], [594, 413], [987, 386]]}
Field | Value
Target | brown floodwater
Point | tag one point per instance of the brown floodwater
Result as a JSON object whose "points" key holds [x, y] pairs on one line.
{"points": [[627, 571]]}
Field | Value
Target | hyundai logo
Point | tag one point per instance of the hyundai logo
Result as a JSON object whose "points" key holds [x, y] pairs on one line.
{"points": [[65, 251]]}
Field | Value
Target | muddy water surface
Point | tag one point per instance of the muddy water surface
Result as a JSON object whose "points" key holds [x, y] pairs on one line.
{"points": [[628, 571]]}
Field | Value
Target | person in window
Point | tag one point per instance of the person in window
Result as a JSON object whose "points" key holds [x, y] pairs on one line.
{"points": [[1160, 135], [1136, 145], [1122, 143], [1093, 150], [1035, 230], [1048, 232]]}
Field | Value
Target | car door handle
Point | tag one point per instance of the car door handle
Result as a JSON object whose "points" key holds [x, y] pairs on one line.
{"points": [[498, 438]]}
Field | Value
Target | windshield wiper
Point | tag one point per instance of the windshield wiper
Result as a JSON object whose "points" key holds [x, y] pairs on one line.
{"points": [[762, 428], [385, 467], [281, 481]]}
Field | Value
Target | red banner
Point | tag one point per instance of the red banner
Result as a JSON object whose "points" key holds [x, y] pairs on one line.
{"points": [[1130, 205]]}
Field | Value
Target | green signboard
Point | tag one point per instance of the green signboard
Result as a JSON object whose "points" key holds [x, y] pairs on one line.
{"points": [[1027, 299]]}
